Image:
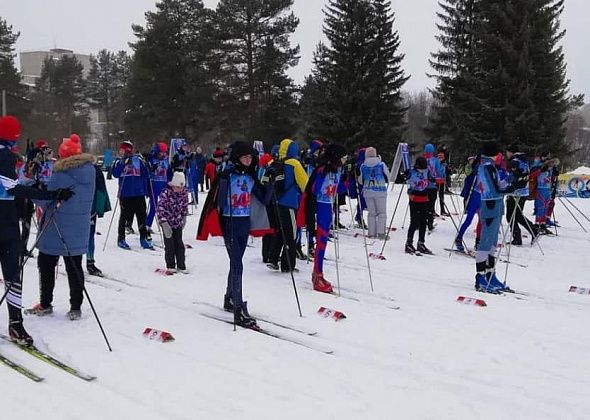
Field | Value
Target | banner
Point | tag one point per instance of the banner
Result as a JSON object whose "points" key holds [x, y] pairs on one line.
{"points": [[574, 186]]}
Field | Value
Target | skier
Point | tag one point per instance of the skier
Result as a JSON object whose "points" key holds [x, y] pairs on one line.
{"points": [[235, 208], [516, 201], [441, 179], [492, 189], [200, 162], [133, 178], [317, 204], [67, 234], [100, 205], [160, 174], [373, 178], [10, 248], [434, 171], [542, 176], [472, 203], [172, 211], [419, 183], [214, 167], [288, 195]]}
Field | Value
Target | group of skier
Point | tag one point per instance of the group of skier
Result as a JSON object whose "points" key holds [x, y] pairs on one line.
{"points": [[290, 198]]}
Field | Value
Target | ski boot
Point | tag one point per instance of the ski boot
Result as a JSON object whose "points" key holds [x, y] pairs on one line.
{"points": [[39, 310], [74, 314], [483, 284], [320, 284], [146, 244], [516, 240], [228, 304], [243, 318], [410, 248], [18, 334], [421, 248], [273, 266], [122, 244], [495, 282], [92, 269], [299, 253]]}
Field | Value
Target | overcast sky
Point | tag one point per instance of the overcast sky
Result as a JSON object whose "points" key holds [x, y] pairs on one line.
{"points": [[87, 26]]}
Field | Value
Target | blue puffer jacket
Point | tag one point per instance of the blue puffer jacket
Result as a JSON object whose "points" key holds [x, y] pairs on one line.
{"points": [[133, 176], [73, 216]]}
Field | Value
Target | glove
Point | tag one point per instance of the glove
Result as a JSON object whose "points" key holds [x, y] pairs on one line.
{"points": [[166, 230], [183, 221], [62, 194]]}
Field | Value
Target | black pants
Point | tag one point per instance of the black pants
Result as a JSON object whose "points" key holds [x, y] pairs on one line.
{"points": [[441, 198], [130, 207], [9, 259], [419, 213], [278, 247], [236, 231], [267, 241], [46, 264], [514, 206], [432, 193], [174, 250]]}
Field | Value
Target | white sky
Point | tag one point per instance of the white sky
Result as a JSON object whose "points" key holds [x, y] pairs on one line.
{"points": [[87, 26]]}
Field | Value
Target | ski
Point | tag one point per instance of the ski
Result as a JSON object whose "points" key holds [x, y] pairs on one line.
{"points": [[269, 334], [41, 355], [262, 319], [164, 271], [20, 369], [469, 254]]}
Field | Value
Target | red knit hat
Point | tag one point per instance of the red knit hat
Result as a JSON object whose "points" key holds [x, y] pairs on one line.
{"points": [[41, 144], [163, 147], [218, 152], [70, 147], [127, 146], [9, 128]]}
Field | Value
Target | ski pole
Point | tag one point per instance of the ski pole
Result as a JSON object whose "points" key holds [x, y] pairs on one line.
{"points": [[286, 245], [114, 212], [337, 245], [572, 214], [392, 217], [8, 283], [406, 214], [358, 202], [80, 277], [509, 246], [530, 228]]}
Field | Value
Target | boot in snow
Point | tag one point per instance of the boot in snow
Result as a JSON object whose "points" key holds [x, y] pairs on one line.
{"points": [[422, 249], [243, 318], [320, 284], [483, 284], [459, 245], [146, 244], [123, 244], [228, 305], [39, 310], [93, 270], [18, 334], [74, 314], [410, 248]]}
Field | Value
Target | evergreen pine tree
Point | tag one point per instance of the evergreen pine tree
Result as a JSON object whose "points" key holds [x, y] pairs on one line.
{"points": [[10, 80], [105, 85], [256, 97], [170, 88]]}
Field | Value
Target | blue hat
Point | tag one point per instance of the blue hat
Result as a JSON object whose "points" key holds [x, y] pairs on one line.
{"points": [[429, 148]]}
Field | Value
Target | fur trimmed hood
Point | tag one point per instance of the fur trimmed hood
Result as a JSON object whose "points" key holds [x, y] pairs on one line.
{"points": [[73, 162]]}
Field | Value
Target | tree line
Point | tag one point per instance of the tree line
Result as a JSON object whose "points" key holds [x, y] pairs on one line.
{"points": [[219, 75]]}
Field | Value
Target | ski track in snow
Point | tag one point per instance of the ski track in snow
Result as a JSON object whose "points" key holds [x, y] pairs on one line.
{"points": [[522, 356]]}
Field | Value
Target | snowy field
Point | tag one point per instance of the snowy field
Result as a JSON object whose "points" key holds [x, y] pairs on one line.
{"points": [[521, 357]]}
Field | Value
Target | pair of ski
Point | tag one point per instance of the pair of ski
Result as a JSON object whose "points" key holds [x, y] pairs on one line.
{"points": [[41, 355], [222, 316]]}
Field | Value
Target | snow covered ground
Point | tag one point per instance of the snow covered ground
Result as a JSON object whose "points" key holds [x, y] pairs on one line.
{"points": [[523, 357]]}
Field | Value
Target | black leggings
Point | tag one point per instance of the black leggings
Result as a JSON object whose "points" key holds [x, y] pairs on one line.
{"points": [[419, 213], [46, 264], [132, 206]]}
